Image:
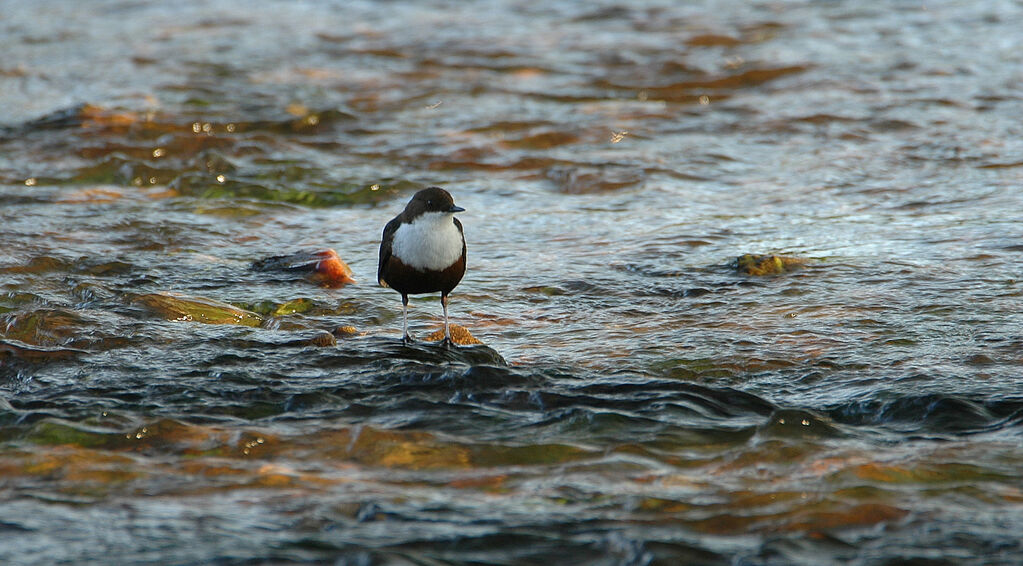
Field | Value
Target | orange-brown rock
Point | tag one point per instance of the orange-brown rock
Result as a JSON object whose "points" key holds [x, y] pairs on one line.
{"points": [[459, 335], [330, 271], [324, 268]]}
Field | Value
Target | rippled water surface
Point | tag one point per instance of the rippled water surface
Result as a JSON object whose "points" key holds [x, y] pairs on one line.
{"points": [[642, 395]]}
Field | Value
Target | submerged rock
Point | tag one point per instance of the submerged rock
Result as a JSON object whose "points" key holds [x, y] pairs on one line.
{"points": [[798, 423], [345, 331], [321, 339], [16, 350], [395, 350], [323, 267], [44, 327], [295, 306], [175, 306], [82, 116], [587, 180], [767, 264]]}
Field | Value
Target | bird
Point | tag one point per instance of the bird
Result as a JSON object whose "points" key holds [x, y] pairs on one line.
{"points": [[422, 250]]}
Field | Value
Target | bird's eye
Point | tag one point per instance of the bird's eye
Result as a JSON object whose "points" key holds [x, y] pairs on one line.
{"points": [[429, 203]]}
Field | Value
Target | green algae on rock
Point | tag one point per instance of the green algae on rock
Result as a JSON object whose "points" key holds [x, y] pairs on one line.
{"points": [[767, 264], [175, 306]]}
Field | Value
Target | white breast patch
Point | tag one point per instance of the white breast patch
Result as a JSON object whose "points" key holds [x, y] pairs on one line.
{"points": [[432, 242]]}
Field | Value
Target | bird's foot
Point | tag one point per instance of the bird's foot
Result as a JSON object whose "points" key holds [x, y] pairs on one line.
{"points": [[408, 339], [448, 343]]}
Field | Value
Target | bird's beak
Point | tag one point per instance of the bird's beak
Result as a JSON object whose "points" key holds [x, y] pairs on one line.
{"points": [[454, 209]]}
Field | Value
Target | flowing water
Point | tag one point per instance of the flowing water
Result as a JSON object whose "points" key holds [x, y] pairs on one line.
{"points": [[640, 398]]}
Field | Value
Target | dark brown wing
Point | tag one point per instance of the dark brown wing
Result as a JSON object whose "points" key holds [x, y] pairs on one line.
{"points": [[385, 247], [462, 232]]}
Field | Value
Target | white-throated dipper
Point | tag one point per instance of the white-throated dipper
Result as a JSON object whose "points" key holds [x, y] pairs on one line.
{"points": [[423, 251]]}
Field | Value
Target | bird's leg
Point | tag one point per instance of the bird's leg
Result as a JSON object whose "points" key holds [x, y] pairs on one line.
{"points": [[447, 327], [404, 319]]}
